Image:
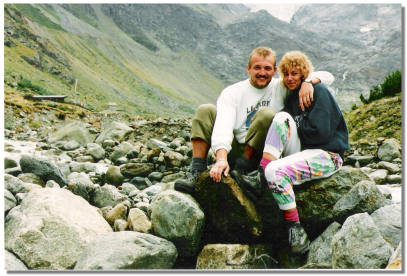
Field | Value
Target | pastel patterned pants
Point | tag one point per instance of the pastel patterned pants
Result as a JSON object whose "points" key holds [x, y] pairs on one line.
{"points": [[293, 167]]}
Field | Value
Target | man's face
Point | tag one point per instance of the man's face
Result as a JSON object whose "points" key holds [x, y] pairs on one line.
{"points": [[261, 70], [292, 78]]}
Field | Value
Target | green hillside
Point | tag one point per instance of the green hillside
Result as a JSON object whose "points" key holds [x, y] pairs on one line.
{"points": [[58, 46]]}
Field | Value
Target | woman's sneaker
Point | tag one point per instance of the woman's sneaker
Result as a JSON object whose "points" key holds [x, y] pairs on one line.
{"points": [[297, 238]]}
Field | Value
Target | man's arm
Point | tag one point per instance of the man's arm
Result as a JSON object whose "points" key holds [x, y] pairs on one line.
{"points": [[306, 94]]}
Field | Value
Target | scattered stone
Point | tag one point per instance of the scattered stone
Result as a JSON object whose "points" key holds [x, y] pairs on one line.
{"points": [[391, 167], [118, 212], [43, 168], [138, 221], [395, 261], [71, 145], [173, 159], [113, 176], [121, 151], [120, 225], [359, 245], [127, 250], [52, 184], [389, 150], [379, 176], [9, 201], [73, 131], [9, 163], [173, 177], [131, 170], [31, 178], [107, 195], [394, 178], [234, 256], [96, 151], [115, 131], [81, 185], [362, 160]]}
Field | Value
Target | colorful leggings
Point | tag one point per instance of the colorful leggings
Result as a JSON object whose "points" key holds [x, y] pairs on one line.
{"points": [[295, 167]]}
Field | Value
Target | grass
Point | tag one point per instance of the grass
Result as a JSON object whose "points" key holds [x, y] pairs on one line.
{"points": [[36, 15]]}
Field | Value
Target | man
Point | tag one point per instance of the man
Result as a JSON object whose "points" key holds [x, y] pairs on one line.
{"points": [[236, 128]]}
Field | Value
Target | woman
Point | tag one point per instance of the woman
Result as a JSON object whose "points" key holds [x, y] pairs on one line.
{"points": [[300, 145]]}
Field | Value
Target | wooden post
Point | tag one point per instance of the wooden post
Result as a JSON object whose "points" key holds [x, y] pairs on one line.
{"points": [[76, 84]]}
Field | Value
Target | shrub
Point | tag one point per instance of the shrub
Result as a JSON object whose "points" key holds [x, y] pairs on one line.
{"points": [[390, 87], [27, 84]]}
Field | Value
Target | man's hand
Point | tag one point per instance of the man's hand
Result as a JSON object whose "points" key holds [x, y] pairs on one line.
{"points": [[220, 166], [306, 95]]}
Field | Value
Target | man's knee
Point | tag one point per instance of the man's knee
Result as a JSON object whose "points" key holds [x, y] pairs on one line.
{"points": [[205, 110], [264, 116]]}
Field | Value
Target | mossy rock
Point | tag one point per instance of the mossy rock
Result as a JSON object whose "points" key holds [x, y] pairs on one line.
{"points": [[228, 210]]}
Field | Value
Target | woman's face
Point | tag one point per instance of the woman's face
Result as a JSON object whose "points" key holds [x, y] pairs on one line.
{"points": [[292, 78]]}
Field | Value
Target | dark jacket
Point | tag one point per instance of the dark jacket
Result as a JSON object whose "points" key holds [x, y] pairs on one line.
{"points": [[321, 126]]}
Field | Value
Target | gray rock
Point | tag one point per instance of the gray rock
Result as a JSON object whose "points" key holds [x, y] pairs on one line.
{"points": [[395, 259], [81, 185], [128, 188], [15, 185], [362, 160], [52, 184], [43, 168], [379, 176], [131, 170], [173, 159], [114, 176], [96, 151], [12, 263], [155, 176], [117, 212], [363, 197], [71, 145], [127, 250], [73, 131], [107, 195], [389, 150], [177, 142], [84, 158], [388, 220], [320, 251], [234, 256], [120, 225], [50, 228], [121, 151], [177, 217], [394, 178], [154, 143], [115, 131], [108, 144], [392, 168], [172, 177], [9, 201], [359, 245], [31, 178], [9, 163], [138, 221]]}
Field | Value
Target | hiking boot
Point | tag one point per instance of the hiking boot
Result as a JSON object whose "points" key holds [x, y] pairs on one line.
{"points": [[187, 184], [253, 184], [297, 238], [244, 165]]}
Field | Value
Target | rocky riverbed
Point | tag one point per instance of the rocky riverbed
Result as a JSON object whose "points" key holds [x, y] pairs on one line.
{"points": [[97, 193]]}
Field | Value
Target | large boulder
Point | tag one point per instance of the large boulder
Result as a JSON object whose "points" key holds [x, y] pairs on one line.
{"points": [[51, 227], [15, 185], [12, 263], [127, 250], [74, 131], [360, 245], [320, 251], [388, 220], [234, 256], [229, 212], [42, 168], [363, 197], [177, 217], [115, 131]]}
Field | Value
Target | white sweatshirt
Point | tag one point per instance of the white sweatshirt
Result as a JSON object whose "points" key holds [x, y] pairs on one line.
{"points": [[238, 103]]}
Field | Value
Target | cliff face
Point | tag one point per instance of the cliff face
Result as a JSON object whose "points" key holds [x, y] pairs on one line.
{"points": [[168, 58]]}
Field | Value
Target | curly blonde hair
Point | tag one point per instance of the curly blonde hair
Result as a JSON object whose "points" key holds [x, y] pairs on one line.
{"points": [[295, 60]]}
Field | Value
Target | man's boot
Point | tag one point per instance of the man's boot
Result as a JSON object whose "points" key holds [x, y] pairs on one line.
{"points": [[187, 184], [244, 165], [297, 238], [253, 185]]}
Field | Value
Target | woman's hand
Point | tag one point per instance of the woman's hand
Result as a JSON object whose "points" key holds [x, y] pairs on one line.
{"points": [[306, 95]]}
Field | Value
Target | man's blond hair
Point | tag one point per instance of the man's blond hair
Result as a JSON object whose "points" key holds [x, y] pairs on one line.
{"points": [[263, 52], [295, 60]]}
